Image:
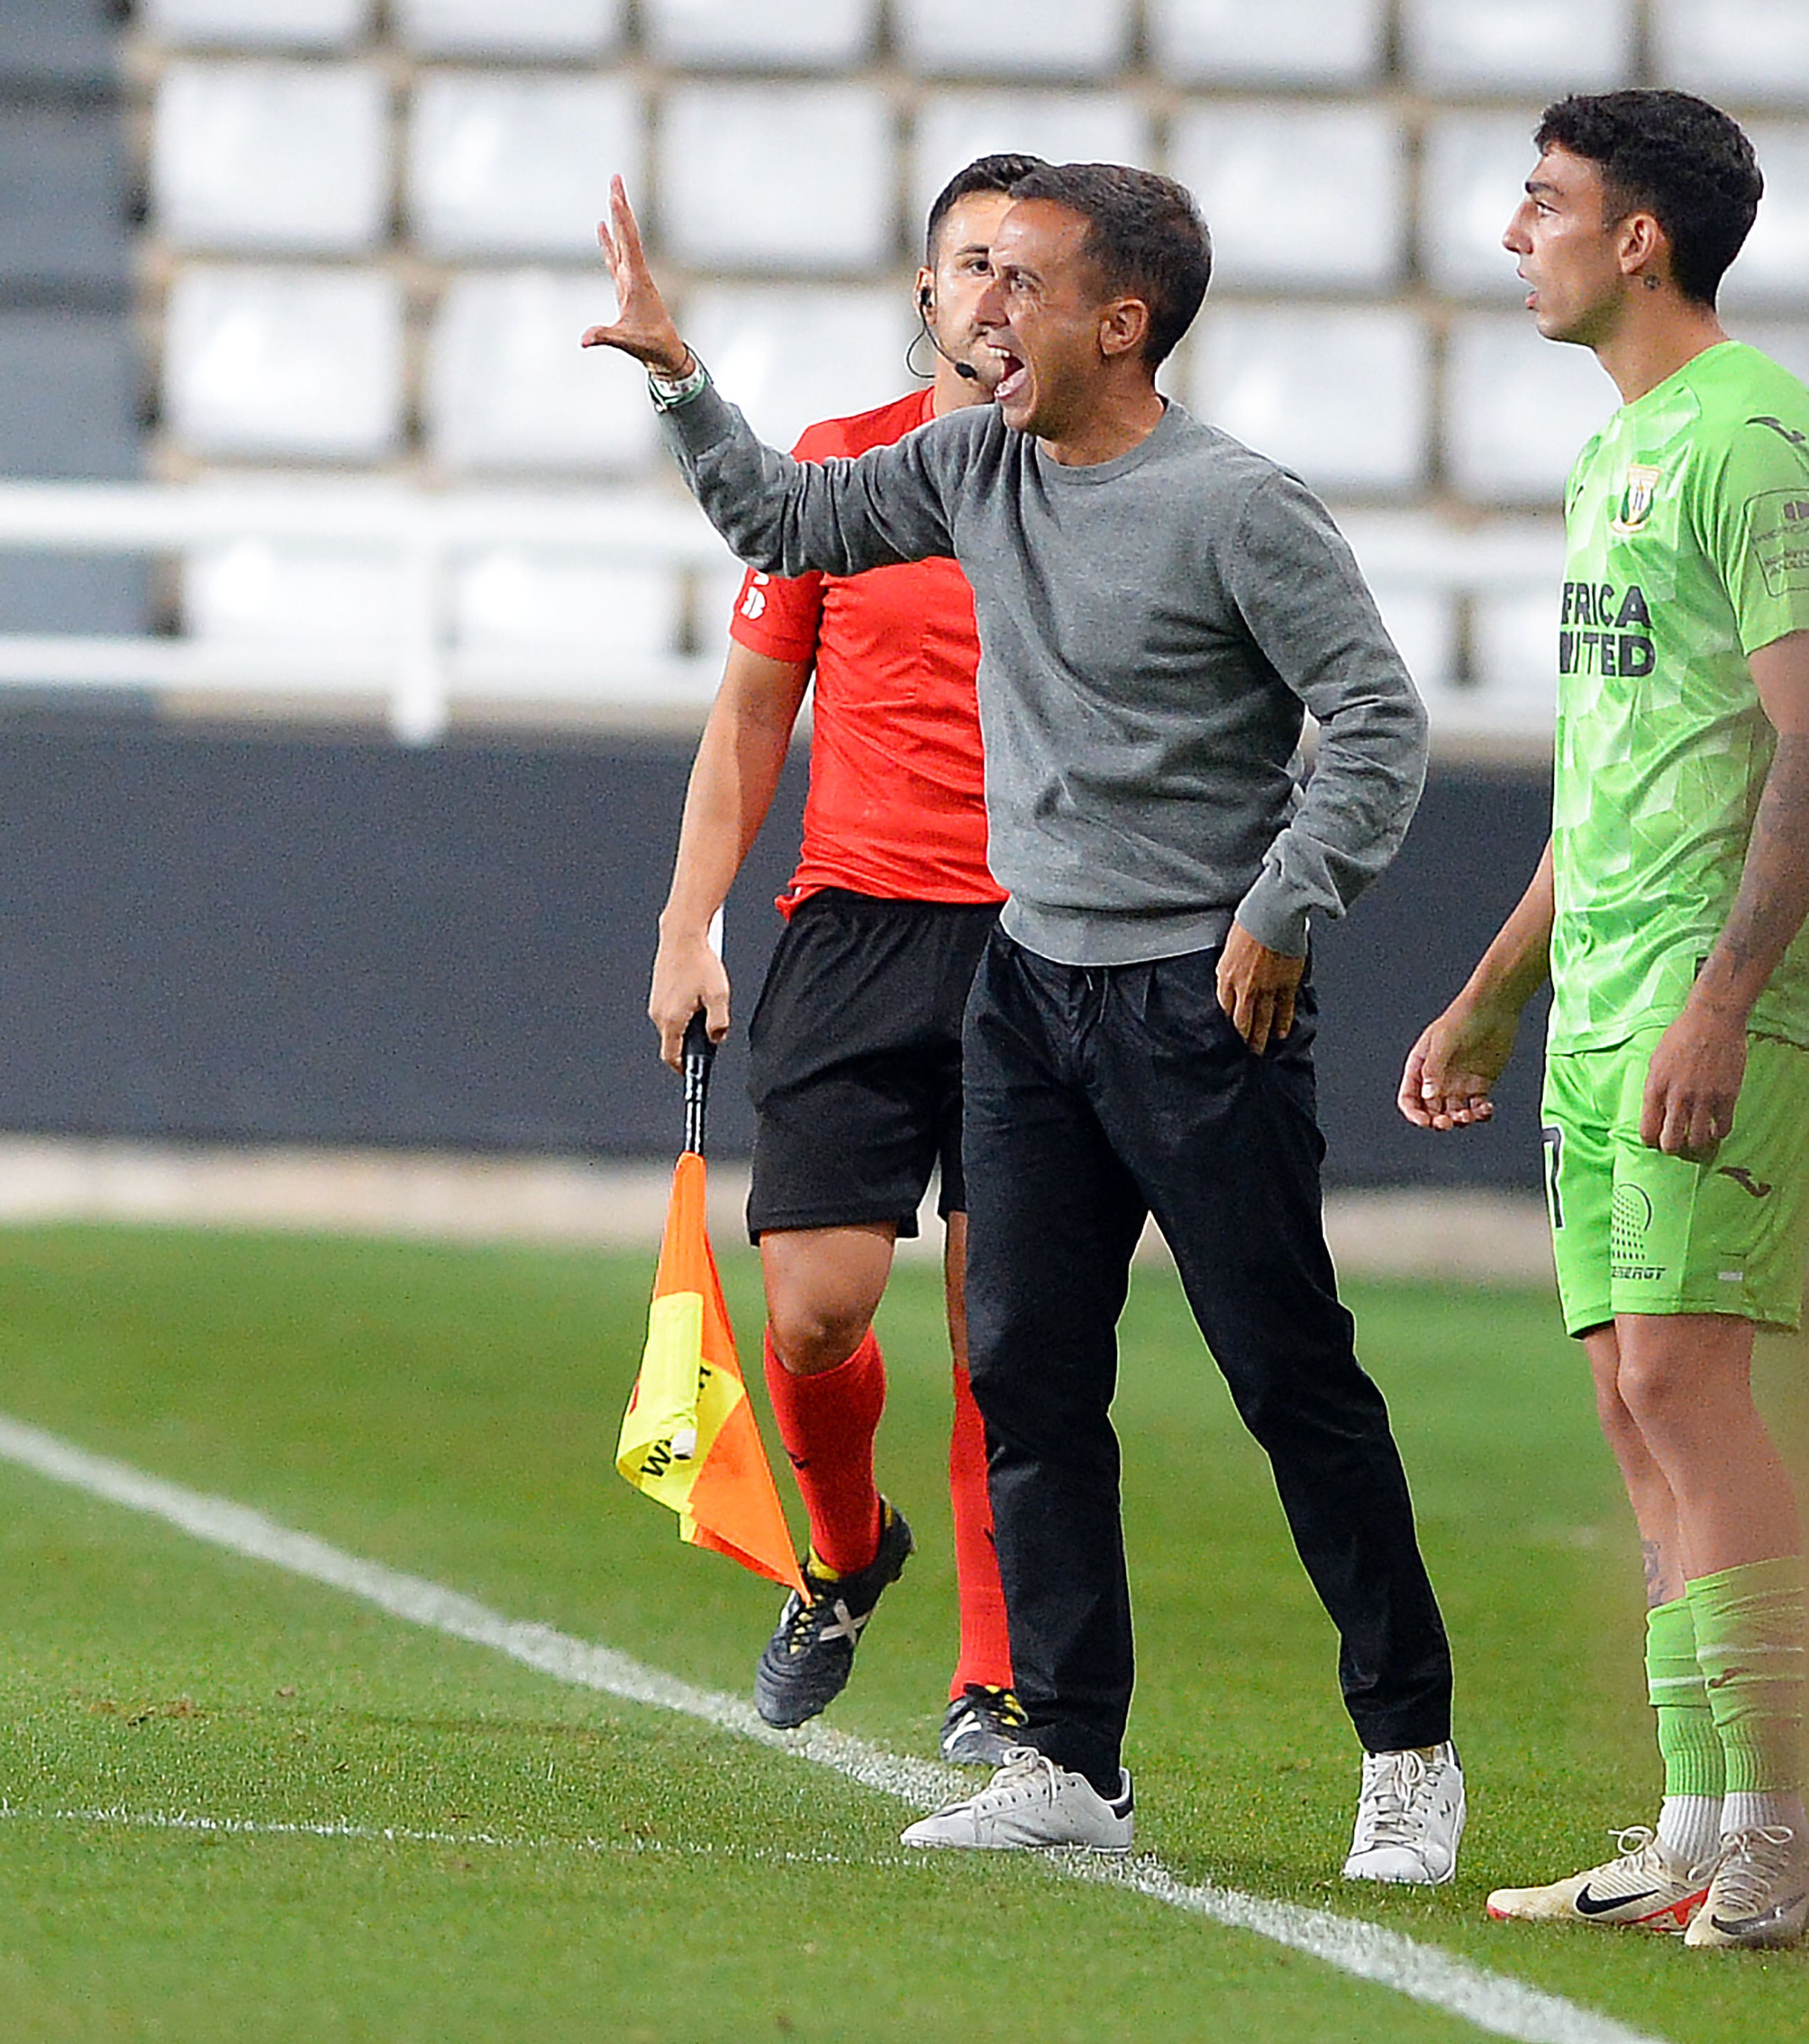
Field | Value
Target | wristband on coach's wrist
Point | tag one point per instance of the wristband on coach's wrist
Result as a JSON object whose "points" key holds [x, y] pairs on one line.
{"points": [[669, 393]]}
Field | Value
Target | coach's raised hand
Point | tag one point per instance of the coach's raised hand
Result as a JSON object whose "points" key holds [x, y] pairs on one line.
{"points": [[643, 327]]}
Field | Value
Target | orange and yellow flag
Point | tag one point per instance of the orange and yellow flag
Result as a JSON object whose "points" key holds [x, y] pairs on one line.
{"points": [[689, 1437]]}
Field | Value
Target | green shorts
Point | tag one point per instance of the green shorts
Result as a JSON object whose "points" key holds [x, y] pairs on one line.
{"points": [[1635, 1232]]}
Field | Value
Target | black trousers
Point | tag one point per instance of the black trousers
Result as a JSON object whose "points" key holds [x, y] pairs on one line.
{"points": [[1096, 1096]]}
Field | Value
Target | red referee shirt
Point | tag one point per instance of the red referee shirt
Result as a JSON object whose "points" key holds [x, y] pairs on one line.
{"points": [[896, 805]]}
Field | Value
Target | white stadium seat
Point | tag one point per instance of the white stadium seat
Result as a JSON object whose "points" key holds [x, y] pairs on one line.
{"points": [[1423, 623], [1297, 197], [1748, 51], [1545, 47], [1339, 394], [761, 35], [1472, 173], [1518, 409], [1773, 267], [789, 356], [508, 389], [289, 157], [257, 25], [1304, 42], [795, 177], [514, 599], [509, 28], [283, 592], [1514, 650], [1013, 38], [1065, 126], [502, 164], [297, 363]]}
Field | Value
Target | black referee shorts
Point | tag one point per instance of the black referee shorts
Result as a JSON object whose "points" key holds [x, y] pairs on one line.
{"points": [[854, 1061]]}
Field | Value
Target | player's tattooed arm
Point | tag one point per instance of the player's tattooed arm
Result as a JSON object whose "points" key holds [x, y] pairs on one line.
{"points": [[1451, 1071], [1693, 1083]]}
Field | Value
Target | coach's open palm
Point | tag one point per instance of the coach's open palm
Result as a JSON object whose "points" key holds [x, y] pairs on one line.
{"points": [[642, 327]]}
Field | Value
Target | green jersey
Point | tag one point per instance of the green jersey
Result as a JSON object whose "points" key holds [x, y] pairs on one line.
{"points": [[1687, 522]]}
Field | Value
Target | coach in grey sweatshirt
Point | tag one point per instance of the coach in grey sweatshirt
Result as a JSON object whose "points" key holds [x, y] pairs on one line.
{"points": [[1157, 606]]}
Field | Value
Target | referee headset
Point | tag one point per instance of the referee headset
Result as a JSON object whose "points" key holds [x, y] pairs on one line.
{"points": [[926, 305]]}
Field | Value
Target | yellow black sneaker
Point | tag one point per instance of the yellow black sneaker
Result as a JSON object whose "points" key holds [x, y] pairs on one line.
{"points": [[981, 1725], [807, 1662]]}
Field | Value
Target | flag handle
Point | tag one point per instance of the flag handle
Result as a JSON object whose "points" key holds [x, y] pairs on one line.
{"points": [[700, 1054]]}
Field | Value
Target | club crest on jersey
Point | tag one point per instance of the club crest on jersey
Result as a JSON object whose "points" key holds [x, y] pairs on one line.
{"points": [[1636, 498]]}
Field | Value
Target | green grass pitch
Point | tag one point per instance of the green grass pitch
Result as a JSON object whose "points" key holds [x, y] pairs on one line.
{"points": [[568, 1867]]}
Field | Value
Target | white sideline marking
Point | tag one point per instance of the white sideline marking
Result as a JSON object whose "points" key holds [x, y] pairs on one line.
{"points": [[1492, 2002], [402, 1834]]}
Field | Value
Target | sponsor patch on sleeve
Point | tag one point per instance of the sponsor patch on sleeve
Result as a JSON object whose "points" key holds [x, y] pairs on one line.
{"points": [[1780, 529]]}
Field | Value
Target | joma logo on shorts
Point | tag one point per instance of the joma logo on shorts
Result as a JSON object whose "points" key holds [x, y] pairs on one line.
{"points": [[1745, 1180]]}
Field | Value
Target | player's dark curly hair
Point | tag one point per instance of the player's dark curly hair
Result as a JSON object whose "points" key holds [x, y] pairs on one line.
{"points": [[985, 174], [1669, 154], [1144, 236]]}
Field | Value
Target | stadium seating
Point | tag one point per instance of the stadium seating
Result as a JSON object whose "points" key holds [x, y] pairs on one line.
{"points": [[1338, 393], [761, 35], [741, 177], [953, 126], [272, 157], [525, 600], [501, 165], [522, 29], [1306, 42], [508, 390], [370, 237], [298, 362], [1013, 38], [1741, 52], [792, 354], [1773, 267], [1300, 198], [1518, 410], [1473, 165], [251, 24], [1545, 46]]}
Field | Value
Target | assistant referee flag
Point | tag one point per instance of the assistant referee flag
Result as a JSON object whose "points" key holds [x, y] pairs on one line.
{"points": [[689, 1438]]}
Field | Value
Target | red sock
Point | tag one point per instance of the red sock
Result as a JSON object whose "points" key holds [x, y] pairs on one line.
{"points": [[828, 1423], [985, 1646]]}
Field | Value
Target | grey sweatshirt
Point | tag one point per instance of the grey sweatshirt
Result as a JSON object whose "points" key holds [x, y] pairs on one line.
{"points": [[1150, 629]]}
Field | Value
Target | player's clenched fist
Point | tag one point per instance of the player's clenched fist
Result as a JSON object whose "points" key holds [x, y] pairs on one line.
{"points": [[643, 327]]}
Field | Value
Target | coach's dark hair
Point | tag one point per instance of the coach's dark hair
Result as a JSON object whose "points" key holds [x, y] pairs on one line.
{"points": [[1144, 237], [1669, 154], [985, 174]]}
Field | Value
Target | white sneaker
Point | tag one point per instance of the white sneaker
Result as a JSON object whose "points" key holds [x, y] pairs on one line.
{"points": [[1648, 1888], [1031, 1802], [1410, 1817], [1760, 1895]]}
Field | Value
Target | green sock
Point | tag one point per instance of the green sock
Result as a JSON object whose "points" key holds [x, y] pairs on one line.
{"points": [[1750, 1629], [1688, 1741]]}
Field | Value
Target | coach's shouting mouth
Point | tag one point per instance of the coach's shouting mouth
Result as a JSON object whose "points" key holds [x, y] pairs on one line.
{"points": [[1043, 317]]}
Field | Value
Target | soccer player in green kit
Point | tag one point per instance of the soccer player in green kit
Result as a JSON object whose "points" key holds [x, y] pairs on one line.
{"points": [[1669, 909]]}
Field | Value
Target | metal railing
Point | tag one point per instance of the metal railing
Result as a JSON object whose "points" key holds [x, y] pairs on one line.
{"points": [[421, 669]]}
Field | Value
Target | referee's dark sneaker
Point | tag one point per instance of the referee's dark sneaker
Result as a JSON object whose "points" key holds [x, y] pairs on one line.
{"points": [[807, 1661]]}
